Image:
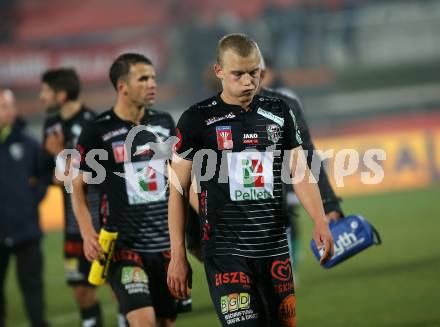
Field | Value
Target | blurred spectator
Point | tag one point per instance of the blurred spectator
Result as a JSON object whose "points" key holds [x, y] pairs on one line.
{"points": [[67, 116], [21, 190]]}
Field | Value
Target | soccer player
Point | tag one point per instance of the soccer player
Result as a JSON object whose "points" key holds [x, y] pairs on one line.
{"points": [[247, 260], [67, 116], [22, 187], [133, 135], [330, 201]]}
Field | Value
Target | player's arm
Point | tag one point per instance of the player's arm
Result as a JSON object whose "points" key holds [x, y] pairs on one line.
{"points": [[305, 189], [330, 201], [92, 249], [179, 271], [310, 198]]}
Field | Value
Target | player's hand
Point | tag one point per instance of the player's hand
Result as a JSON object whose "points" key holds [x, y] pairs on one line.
{"points": [[179, 277], [54, 143], [323, 239], [333, 215], [92, 248]]}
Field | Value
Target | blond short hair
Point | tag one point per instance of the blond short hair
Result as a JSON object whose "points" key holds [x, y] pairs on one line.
{"points": [[240, 43]]}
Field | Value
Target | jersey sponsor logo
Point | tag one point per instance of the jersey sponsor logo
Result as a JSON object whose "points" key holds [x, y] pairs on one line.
{"points": [[156, 129], [111, 134], [297, 132], [271, 116], [273, 132], [234, 302], [250, 138], [250, 175], [133, 274], [282, 270], [143, 150], [213, 120], [224, 137], [234, 277], [287, 311], [119, 152], [284, 288], [72, 271], [145, 181], [236, 308], [135, 280]]}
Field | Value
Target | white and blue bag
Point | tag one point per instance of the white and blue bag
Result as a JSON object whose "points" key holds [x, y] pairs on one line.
{"points": [[351, 234]]}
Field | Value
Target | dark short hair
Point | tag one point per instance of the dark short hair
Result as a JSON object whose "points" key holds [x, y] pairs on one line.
{"points": [[121, 66], [240, 43], [63, 79]]}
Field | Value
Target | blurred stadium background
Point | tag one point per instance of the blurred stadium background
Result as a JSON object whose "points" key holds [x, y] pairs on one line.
{"points": [[368, 74]]}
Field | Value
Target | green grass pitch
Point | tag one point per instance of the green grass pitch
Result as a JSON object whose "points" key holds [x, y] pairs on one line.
{"points": [[394, 285]]}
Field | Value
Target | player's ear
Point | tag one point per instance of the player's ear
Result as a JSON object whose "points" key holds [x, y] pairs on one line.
{"points": [[61, 96], [122, 86], [218, 71]]}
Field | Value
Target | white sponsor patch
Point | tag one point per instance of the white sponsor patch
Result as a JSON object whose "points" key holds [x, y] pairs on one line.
{"points": [[250, 175], [145, 181], [271, 116]]}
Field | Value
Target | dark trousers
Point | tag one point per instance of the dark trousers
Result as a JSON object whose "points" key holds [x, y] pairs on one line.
{"points": [[29, 268]]}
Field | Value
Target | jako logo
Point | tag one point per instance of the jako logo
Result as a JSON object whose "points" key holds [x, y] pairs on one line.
{"points": [[234, 302], [345, 242], [252, 173]]}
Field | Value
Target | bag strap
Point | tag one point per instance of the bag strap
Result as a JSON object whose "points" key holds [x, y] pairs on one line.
{"points": [[377, 238]]}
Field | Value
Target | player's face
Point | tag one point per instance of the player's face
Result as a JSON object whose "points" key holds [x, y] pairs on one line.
{"points": [[141, 85], [8, 111], [49, 98], [240, 76]]}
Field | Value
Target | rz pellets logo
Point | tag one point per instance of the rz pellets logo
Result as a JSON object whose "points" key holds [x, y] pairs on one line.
{"points": [[252, 173]]}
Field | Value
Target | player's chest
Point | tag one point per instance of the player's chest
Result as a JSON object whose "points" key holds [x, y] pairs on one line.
{"points": [[243, 132], [134, 143]]}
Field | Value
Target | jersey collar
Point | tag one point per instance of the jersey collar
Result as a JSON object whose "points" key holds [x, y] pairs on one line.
{"points": [[236, 108]]}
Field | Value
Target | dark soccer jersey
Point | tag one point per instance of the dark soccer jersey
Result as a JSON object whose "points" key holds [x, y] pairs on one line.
{"points": [[135, 183], [241, 207], [71, 130]]}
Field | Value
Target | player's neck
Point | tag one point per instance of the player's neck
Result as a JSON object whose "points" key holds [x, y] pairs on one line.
{"points": [[70, 109], [130, 113], [228, 99]]}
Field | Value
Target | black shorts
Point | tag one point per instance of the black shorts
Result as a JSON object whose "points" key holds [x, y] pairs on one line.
{"points": [[140, 280], [252, 292], [76, 266]]}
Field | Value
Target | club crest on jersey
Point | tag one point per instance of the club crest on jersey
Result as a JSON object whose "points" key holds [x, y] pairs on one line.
{"points": [[273, 132], [119, 151], [224, 137]]}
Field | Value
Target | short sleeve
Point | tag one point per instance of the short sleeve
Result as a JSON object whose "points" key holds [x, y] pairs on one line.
{"points": [[292, 134], [186, 133], [88, 140]]}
